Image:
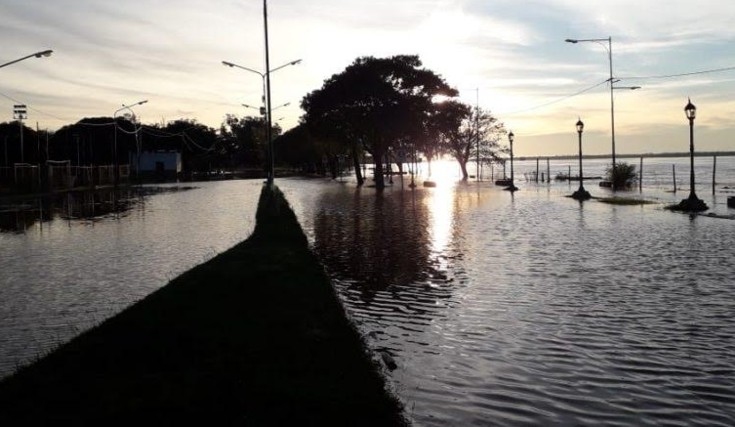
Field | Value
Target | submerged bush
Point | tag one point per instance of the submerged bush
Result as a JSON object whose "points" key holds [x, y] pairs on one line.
{"points": [[624, 175]]}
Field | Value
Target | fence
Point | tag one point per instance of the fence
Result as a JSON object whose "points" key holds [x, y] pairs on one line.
{"points": [[58, 175]]}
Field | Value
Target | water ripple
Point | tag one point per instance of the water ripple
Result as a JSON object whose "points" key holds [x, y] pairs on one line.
{"points": [[536, 310]]}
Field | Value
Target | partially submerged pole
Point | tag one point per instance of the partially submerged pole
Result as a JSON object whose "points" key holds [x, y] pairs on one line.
{"points": [[714, 172], [536, 169], [640, 177], [673, 169], [548, 171]]}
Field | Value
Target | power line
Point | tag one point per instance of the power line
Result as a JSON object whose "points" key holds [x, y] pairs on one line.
{"points": [[692, 73], [31, 108], [556, 100]]}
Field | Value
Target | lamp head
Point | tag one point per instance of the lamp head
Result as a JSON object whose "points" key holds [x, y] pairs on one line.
{"points": [[229, 64], [44, 53], [511, 136], [690, 110], [571, 40], [298, 61], [580, 126]]}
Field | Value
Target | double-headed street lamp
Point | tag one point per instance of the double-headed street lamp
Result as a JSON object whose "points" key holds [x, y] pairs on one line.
{"points": [[266, 104], [612, 97], [116, 172], [581, 193], [262, 109]]}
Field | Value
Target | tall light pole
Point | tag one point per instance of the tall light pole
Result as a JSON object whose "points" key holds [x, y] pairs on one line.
{"points": [[612, 97], [116, 171], [19, 110], [692, 203], [266, 112], [581, 193], [44, 53], [511, 187]]}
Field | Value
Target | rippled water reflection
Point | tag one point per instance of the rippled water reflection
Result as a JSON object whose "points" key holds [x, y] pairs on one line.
{"points": [[534, 309], [72, 263]]}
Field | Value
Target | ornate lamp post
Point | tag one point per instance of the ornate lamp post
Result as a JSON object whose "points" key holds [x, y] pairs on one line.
{"points": [[581, 193], [692, 203], [511, 187]]}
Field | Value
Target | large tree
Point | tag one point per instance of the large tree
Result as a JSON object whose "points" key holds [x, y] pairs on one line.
{"points": [[375, 104], [468, 133]]}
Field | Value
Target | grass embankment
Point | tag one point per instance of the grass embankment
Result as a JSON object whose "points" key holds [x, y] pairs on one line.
{"points": [[255, 336]]}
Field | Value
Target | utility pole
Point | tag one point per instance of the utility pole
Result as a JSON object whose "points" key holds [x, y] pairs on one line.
{"points": [[20, 113]]}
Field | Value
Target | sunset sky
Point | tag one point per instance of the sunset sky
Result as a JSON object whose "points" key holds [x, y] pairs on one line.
{"points": [[509, 55]]}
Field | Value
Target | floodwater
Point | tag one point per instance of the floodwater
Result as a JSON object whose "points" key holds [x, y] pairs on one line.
{"points": [[71, 263], [499, 309], [534, 309]]}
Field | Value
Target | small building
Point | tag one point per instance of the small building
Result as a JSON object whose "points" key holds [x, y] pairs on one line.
{"points": [[158, 165]]}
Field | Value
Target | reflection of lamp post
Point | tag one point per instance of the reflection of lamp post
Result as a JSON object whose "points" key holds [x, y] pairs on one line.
{"points": [[511, 187], [266, 101], [581, 193], [692, 203], [116, 171]]}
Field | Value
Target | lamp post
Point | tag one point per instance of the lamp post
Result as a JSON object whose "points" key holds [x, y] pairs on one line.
{"points": [[116, 171], [19, 110], [511, 187], [612, 98], [265, 111], [581, 193], [44, 53], [692, 203]]}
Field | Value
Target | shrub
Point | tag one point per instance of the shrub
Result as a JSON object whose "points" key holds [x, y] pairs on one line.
{"points": [[624, 175]]}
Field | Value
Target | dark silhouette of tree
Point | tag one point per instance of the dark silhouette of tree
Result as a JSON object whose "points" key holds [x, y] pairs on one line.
{"points": [[196, 142], [375, 104], [91, 141], [464, 130], [10, 144]]}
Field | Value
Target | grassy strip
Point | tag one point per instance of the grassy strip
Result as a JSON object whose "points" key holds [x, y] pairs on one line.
{"points": [[625, 201], [255, 336]]}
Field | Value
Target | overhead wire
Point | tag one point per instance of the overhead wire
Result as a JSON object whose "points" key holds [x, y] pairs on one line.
{"points": [[691, 73], [564, 98]]}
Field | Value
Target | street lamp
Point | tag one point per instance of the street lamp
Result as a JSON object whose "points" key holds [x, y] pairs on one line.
{"points": [[612, 98], [511, 187], [692, 203], [44, 53], [19, 110], [266, 99], [581, 193], [116, 172]]}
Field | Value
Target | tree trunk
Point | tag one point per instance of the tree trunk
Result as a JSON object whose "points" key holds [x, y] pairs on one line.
{"points": [[333, 166], [465, 175], [378, 160], [358, 171]]}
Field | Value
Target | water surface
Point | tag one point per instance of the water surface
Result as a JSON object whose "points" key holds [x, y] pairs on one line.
{"points": [[533, 308]]}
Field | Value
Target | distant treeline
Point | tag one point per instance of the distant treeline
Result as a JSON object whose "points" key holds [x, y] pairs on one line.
{"points": [[633, 156]]}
